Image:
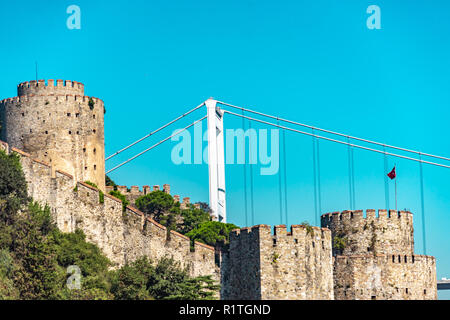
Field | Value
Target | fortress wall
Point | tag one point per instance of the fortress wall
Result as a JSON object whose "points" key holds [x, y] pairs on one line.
{"points": [[294, 266], [389, 232], [385, 277], [123, 236]]}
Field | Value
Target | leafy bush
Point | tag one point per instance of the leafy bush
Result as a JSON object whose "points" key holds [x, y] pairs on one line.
{"points": [[212, 231]]}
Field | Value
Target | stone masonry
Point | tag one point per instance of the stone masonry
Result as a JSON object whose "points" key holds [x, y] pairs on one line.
{"points": [[293, 265], [56, 123], [374, 257]]}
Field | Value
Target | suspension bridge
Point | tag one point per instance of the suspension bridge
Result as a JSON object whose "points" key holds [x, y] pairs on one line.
{"points": [[215, 112]]}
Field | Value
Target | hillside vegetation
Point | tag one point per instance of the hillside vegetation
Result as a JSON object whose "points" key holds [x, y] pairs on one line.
{"points": [[35, 257]]}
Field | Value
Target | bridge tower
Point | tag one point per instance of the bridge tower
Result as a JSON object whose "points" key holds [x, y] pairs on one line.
{"points": [[216, 161]]}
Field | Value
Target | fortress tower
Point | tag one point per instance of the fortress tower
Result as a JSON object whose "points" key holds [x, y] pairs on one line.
{"points": [[295, 265], [374, 257], [57, 124]]}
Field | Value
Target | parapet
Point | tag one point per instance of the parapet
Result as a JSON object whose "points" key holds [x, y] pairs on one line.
{"points": [[354, 215], [388, 232], [41, 87]]}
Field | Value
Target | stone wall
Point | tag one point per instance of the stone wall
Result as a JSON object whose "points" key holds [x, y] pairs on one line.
{"points": [[385, 277], [387, 233], [54, 123], [123, 236], [135, 192], [374, 257], [293, 266]]}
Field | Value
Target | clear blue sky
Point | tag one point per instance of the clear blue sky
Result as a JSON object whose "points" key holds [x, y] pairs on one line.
{"points": [[311, 61]]}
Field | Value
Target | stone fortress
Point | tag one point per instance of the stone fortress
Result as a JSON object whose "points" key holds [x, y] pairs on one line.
{"points": [[58, 133]]}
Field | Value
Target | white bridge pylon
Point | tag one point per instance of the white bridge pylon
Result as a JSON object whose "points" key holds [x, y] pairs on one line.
{"points": [[216, 161]]}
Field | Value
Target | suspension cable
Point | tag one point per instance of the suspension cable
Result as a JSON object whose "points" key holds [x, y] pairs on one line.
{"points": [[333, 132], [245, 176], [423, 209], [280, 193], [338, 141], [316, 214], [153, 132], [285, 178], [155, 145], [386, 181]]}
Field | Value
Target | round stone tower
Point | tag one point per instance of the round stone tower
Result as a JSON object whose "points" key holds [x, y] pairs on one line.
{"points": [[56, 123]]}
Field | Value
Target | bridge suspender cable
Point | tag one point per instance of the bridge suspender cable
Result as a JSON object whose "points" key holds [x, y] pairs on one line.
{"points": [[316, 214], [245, 174], [285, 178], [252, 211], [153, 132], [279, 188], [386, 181], [155, 145], [334, 133], [338, 141], [423, 208]]}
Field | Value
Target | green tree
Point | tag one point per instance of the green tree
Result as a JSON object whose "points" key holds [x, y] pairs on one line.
{"points": [[143, 280], [156, 203], [192, 218], [212, 231], [110, 182], [13, 186]]}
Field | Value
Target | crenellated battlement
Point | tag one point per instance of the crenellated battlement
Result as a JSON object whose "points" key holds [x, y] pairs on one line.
{"points": [[47, 98], [370, 215], [355, 233], [50, 87]]}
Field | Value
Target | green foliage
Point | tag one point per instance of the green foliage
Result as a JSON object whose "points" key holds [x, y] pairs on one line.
{"points": [[110, 182], [35, 255], [212, 231], [339, 242], [143, 280], [156, 203], [192, 218], [13, 186], [91, 103], [121, 197], [309, 228]]}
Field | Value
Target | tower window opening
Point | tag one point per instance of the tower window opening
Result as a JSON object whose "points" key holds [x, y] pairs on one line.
{"points": [[68, 114], [95, 167], [78, 132], [393, 258], [85, 168], [77, 115], [94, 131], [412, 259], [70, 132], [31, 131], [95, 150], [399, 258], [84, 149], [93, 116], [23, 114], [274, 242], [313, 244], [46, 132], [406, 259], [424, 291], [406, 290]]}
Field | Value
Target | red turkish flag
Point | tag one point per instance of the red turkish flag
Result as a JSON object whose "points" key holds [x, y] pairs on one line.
{"points": [[392, 174]]}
